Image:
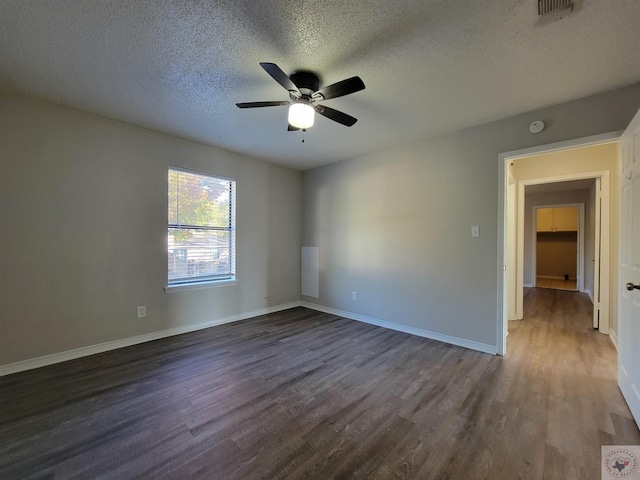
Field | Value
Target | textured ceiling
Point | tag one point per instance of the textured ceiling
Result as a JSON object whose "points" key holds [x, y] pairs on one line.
{"points": [[430, 66]]}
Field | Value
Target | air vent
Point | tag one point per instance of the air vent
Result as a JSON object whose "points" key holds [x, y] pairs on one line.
{"points": [[549, 6]]}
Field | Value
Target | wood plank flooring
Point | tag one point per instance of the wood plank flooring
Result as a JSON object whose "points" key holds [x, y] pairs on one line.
{"points": [[557, 284], [306, 395]]}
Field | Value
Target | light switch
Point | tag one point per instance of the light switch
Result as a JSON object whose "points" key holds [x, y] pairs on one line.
{"points": [[475, 231]]}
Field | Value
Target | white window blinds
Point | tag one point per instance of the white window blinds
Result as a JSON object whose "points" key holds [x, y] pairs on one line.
{"points": [[201, 235]]}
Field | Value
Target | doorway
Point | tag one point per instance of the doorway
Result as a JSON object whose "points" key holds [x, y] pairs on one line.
{"points": [[558, 248], [588, 158], [599, 270]]}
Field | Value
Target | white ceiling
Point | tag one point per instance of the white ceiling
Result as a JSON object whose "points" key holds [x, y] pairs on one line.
{"points": [[429, 66]]}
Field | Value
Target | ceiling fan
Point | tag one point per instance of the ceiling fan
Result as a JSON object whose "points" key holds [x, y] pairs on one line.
{"points": [[304, 92]]}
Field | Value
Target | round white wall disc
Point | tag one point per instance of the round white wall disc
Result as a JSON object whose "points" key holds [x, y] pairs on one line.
{"points": [[537, 126]]}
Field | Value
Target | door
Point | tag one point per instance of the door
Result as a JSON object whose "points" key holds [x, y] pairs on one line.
{"points": [[597, 256], [629, 297]]}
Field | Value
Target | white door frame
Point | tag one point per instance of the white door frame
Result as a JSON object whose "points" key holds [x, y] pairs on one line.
{"points": [[600, 303], [503, 163], [580, 260]]}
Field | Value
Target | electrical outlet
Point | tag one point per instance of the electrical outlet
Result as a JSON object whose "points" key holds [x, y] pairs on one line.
{"points": [[475, 231], [354, 296], [142, 311]]}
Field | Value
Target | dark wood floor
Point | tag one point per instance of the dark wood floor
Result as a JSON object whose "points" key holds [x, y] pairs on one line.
{"points": [[302, 394]]}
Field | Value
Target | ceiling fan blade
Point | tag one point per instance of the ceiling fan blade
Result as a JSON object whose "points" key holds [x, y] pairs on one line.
{"points": [[291, 128], [262, 104], [279, 76], [345, 87], [335, 115]]}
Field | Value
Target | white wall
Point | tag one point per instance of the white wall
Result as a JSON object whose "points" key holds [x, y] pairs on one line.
{"points": [[84, 227], [395, 225]]}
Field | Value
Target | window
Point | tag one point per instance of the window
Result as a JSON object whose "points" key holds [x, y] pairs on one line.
{"points": [[201, 238]]}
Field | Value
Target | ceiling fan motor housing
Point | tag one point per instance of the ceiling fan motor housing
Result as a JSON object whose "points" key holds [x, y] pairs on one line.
{"points": [[304, 91], [307, 82]]}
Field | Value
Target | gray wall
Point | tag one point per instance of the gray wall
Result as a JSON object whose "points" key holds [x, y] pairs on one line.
{"points": [[84, 227], [83, 200], [395, 225]]}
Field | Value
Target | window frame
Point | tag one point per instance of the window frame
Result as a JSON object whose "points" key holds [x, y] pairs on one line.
{"points": [[207, 280]]}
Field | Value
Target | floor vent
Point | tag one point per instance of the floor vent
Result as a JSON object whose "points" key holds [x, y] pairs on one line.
{"points": [[550, 6]]}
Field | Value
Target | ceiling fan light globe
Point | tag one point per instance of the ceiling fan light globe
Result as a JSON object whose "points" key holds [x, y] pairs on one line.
{"points": [[301, 115]]}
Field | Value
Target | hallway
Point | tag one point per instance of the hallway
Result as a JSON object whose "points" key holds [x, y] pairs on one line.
{"points": [[571, 375]]}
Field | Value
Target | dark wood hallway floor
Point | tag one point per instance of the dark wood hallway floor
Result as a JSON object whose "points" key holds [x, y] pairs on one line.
{"points": [[302, 394]]}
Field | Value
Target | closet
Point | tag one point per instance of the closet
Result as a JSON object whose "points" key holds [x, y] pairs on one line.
{"points": [[557, 247]]}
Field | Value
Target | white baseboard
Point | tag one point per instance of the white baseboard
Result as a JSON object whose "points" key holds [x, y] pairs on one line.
{"points": [[127, 342], [528, 285], [613, 336], [460, 342], [590, 293]]}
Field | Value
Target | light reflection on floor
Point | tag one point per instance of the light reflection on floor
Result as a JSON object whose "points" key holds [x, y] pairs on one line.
{"points": [[556, 284]]}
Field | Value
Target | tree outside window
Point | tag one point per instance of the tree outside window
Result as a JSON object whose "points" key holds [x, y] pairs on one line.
{"points": [[201, 230]]}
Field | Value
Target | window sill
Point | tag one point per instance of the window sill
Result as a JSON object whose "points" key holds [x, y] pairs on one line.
{"points": [[200, 285]]}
